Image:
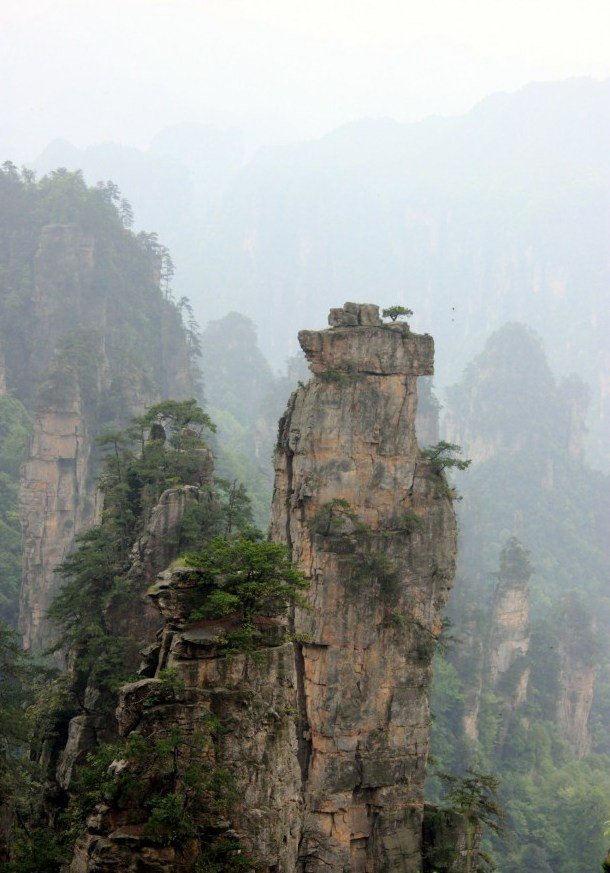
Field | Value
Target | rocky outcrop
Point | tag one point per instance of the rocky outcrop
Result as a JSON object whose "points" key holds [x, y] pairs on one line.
{"points": [[129, 615], [576, 686], [319, 736], [154, 551], [452, 841], [371, 526], [232, 719]]}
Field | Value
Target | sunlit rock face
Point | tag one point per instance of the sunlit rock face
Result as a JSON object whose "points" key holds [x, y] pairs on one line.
{"points": [[372, 526]]}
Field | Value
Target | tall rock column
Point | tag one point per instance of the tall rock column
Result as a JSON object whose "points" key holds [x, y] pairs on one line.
{"points": [[372, 526], [577, 653], [509, 637]]}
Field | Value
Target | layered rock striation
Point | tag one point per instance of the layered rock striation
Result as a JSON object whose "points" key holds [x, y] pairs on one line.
{"points": [[372, 526]]}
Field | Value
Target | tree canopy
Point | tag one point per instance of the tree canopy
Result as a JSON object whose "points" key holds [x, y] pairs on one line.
{"points": [[396, 312]]}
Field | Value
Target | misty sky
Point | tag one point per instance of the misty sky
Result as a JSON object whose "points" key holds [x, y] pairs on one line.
{"points": [[123, 69]]}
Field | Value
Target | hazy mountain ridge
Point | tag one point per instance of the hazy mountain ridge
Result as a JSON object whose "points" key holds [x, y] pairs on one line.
{"points": [[500, 214]]}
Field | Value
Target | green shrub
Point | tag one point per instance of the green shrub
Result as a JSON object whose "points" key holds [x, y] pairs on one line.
{"points": [[169, 820], [410, 521], [375, 569], [334, 517], [395, 312], [336, 375]]}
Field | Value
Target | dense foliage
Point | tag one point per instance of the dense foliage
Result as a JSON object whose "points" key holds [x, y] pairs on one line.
{"points": [[163, 448], [244, 579]]}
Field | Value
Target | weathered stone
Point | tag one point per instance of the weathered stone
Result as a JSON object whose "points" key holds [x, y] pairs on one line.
{"points": [[363, 680], [508, 671], [135, 617], [341, 318], [383, 351], [354, 314], [326, 737], [368, 313]]}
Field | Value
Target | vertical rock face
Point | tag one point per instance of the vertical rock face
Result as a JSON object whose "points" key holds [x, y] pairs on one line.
{"points": [[576, 685], [241, 710], [133, 616], [509, 639], [577, 671], [58, 499], [84, 374], [371, 525]]}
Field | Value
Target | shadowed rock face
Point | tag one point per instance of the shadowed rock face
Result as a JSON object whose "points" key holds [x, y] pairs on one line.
{"points": [[372, 527]]}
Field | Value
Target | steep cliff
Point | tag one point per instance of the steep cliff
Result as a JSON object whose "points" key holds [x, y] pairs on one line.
{"points": [[373, 529], [229, 725], [89, 339], [58, 499], [94, 722], [578, 655], [308, 752], [507, 669]]}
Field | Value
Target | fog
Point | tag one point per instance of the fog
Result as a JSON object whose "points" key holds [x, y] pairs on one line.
{"points": [[279, 71], [451, 157], [251, 164]]}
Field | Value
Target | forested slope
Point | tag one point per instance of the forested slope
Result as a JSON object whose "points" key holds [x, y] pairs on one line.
{"points": [[89, 333], [522, 691]]}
